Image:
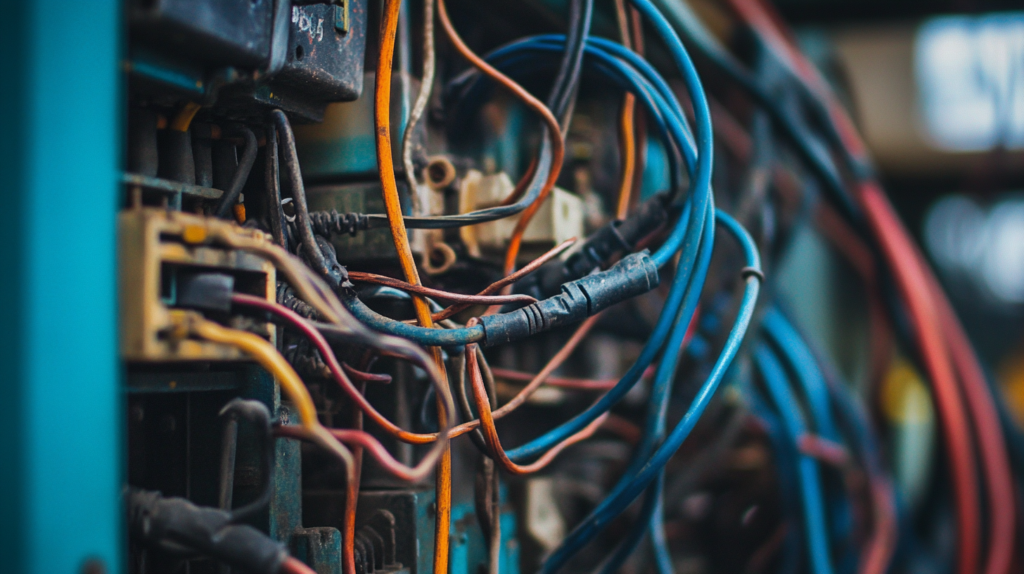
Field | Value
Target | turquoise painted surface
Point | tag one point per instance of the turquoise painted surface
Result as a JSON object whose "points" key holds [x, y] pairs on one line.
{"points": [[61, 475]]}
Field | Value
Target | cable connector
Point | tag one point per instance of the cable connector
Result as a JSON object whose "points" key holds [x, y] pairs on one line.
{"points": [[634, 275], [598, 249], [332, 223], [179, 527]]}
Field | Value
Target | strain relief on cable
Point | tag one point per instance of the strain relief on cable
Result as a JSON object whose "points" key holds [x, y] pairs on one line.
{"points": [[634, 275]]}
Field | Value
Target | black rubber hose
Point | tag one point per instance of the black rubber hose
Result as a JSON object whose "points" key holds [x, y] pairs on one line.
{"points": [[241, 175], [278, 224], [310, 248]]}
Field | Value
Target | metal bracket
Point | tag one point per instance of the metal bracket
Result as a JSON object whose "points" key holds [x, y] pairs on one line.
{"points": [[341, 21]]}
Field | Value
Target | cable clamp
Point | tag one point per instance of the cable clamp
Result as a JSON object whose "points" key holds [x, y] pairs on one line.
{"points": [[748, 272]]}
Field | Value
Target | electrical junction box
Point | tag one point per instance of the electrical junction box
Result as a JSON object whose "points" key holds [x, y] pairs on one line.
{"points": [[325, 51], [157, 268]]}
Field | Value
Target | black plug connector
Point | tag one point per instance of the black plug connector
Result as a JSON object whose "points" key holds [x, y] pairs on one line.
{"points": [[177, 526], [634, 275], [598, 249]]}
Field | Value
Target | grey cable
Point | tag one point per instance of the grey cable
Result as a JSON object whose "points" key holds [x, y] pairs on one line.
{"points": [[418, 108]]}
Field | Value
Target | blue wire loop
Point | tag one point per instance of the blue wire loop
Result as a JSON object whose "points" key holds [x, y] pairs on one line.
{"points": [[628, 489], [816, 527], [687, 234]]}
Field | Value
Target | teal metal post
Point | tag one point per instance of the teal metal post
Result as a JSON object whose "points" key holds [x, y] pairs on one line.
{"points": [[60, 444]]}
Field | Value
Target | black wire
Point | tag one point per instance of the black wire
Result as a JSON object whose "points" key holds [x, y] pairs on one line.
{"points": [[258, 414], [238, 180], [310, 248], [275, 212], [465, 410], [567, 79], [378, 221], [790, 128]]}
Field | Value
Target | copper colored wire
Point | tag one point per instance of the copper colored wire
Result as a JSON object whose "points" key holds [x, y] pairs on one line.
{"points": [[438, 293], [364, 377], [622, 427], [627, 134], [373, 447], [318, 340], [352, 491], [400, 237], [522, 185], [554, 132], [537, 381], [826, 451], [506, 281], [293, 565], [491, 433], [560, 382]]}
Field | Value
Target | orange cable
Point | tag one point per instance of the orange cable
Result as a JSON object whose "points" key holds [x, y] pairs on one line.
{"points": [[382, 121], [627, 134], [627, 129], [491, 433]]}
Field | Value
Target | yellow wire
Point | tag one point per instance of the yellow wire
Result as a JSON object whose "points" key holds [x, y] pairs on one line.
{"points": [[270, 359], [400, 236], [184, 118]]}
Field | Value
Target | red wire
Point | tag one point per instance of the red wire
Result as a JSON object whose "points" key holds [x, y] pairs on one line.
{"points": [[933, 318], [995, 460], [362, 439], [915, 287], [294, 566], [563, 382], [331, 361]]}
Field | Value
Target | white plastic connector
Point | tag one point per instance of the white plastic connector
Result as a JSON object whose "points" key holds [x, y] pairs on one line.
{"points": [[559, 218]]}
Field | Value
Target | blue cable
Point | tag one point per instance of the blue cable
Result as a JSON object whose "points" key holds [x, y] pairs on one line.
{"points": [[657, 414], [792, 419], [704, 136], [689, 236], [659, 541], [679, 130], [805, 366], [602, 48], [661, 104], [850, 417], [422, 335], [667, 318], [819, 397], [625, 493], [786, 468], [702, 115]]}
